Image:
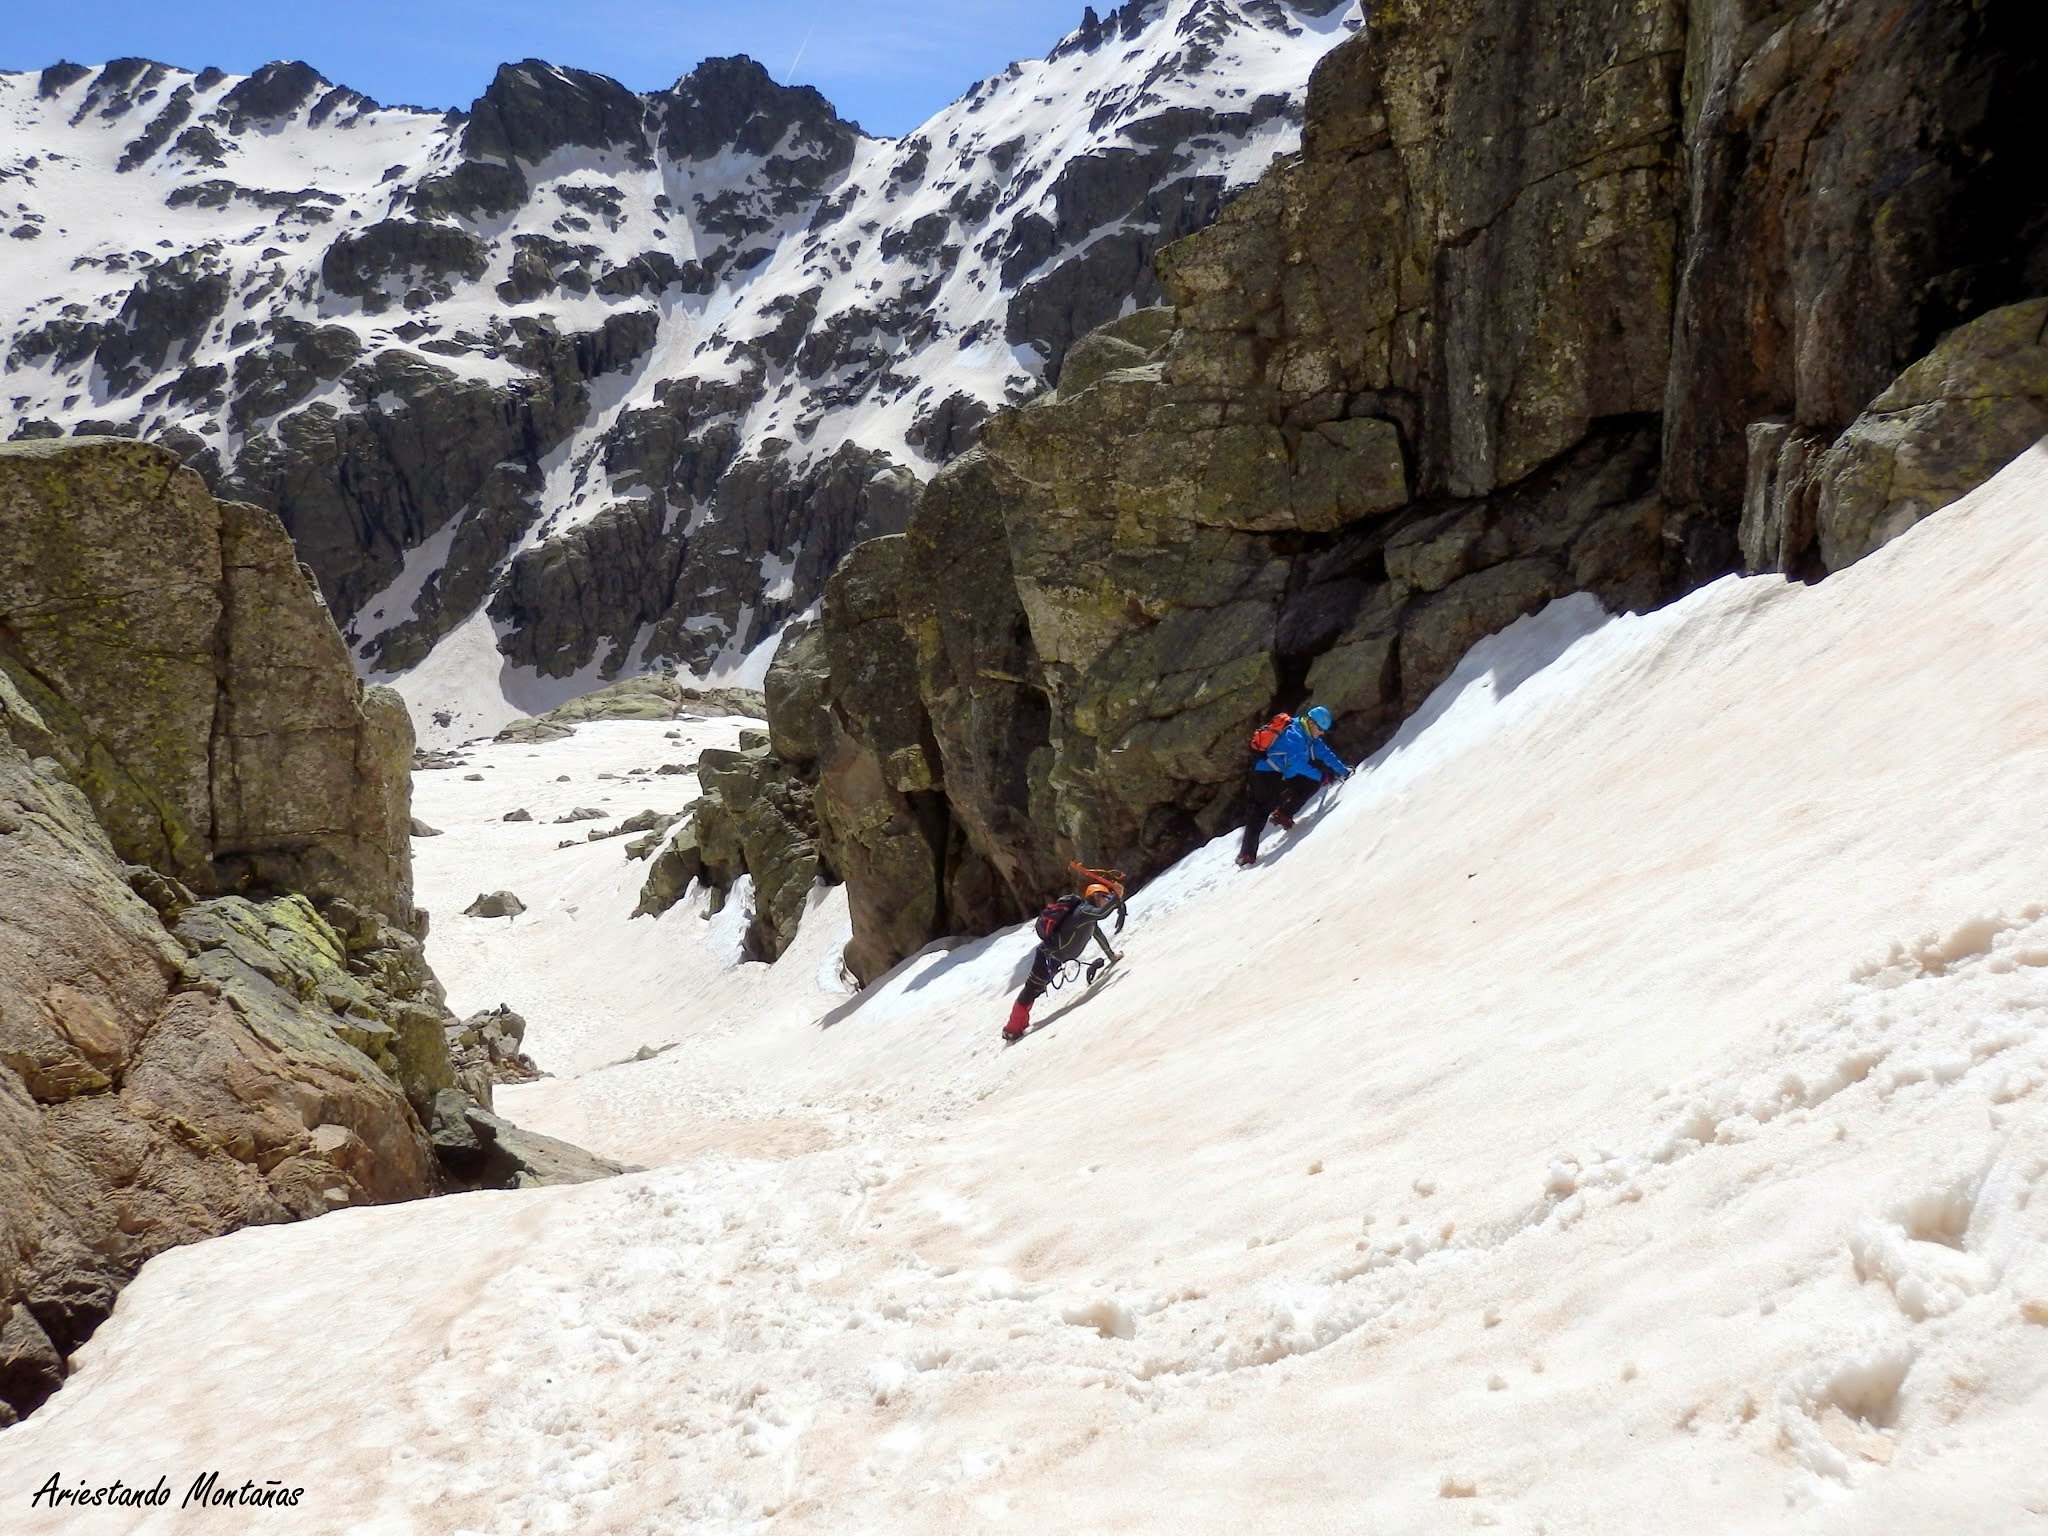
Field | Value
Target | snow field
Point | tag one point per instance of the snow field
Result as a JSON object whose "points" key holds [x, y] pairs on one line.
{"points": [[1620, 1109]]}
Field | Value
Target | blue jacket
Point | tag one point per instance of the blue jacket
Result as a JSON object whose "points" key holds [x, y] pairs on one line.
{"points": [[1294, 754]]}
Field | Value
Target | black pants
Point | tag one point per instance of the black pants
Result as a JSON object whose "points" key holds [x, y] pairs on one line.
{"points": [[1273, 792]]}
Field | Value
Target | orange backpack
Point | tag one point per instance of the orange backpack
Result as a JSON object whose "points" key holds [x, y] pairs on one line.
{"points": [[1267, 734]]}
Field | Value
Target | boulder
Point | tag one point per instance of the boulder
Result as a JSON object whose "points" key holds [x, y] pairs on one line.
{"points": [[669, 875], [509, 1158], [533, 730], [649, 821], [1940, 430], [495, 904], [794, 695], [483, 1051], [757, 817]]}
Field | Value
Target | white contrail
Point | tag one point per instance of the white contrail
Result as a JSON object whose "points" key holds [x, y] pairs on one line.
{"points": [[800, 47]]}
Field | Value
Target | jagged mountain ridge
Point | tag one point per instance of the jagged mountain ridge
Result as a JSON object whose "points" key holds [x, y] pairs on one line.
{"points": [[633, 370]]}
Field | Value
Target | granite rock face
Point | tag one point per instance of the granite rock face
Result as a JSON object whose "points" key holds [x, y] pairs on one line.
{"points": [[756, 818], [636, 567], [887, 830], [173, 1067], [1857, 186], [1549, 302], [191, 682], [758, 815]]}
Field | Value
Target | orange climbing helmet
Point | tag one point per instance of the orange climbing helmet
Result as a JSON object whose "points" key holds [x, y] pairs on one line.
{"points": [[1107, 882]]}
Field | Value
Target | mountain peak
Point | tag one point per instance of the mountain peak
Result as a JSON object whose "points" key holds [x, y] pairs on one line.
{"points": [[734, 103], [533, 108]]}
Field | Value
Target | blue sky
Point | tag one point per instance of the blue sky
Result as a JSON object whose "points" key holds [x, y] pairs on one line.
{"points": [[888, 64]]}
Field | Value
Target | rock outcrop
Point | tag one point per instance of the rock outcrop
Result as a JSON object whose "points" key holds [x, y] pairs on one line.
{"points": [[485, 1050], [1858, 182], [1546, 300], [215, 1008], [1945, 426], [887, 828], [191, 683], [669, 872], [164, 1084], [495, 904], [756, 818]]}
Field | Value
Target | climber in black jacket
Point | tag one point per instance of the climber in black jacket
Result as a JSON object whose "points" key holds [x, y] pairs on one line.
{"points": [[1064, 929]]}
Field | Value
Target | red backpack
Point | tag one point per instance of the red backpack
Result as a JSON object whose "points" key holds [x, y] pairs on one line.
{"points": [[1054, 914], [1267, 734]]}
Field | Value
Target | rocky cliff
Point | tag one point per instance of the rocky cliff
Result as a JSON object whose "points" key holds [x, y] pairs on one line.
{"points": [[214, 1005], [1549, 301]]}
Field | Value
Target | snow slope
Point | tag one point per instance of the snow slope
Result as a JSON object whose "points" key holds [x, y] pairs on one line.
{"points": [[1621, 1110]]}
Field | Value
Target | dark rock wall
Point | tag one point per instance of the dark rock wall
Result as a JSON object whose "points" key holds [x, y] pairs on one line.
{"points": [[1857, 185], [357, 487], [888, 832], [588, 593]]}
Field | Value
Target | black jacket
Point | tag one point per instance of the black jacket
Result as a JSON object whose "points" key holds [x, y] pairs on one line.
{"points": [[1082, 923]]}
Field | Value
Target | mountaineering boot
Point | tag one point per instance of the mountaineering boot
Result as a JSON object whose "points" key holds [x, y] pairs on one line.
{"points": [[1283, 821], [1020, 1019], [1247, 860]]}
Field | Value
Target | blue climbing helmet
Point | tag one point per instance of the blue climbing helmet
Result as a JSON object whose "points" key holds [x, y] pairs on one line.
{"points": [[1318, 715]]}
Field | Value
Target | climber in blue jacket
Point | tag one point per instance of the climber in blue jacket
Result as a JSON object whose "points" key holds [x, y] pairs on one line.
{"points": [[1286, 773]]}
